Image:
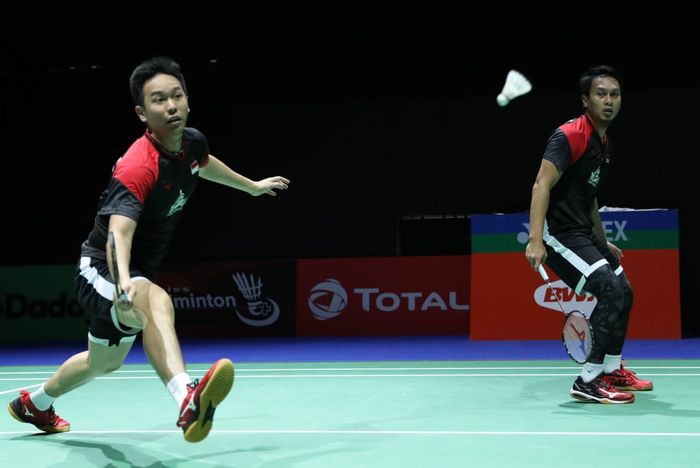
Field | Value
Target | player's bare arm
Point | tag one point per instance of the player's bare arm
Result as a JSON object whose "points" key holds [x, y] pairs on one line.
{"points": [[123, 229], [217, 171], [547, 177]]}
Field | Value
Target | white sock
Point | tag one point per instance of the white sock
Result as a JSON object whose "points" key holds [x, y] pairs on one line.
{"points": [[611, 363], [178, 387], [41, 399], [590, 371]]}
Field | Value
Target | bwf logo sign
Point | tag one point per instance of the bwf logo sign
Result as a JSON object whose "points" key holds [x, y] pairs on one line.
{"points": [[545, 297], [329, 298], [259, 311]]}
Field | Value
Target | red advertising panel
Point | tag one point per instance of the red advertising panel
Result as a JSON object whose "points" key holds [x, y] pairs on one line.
{"points": [[512, 302], [383, 296], [245, 299]]}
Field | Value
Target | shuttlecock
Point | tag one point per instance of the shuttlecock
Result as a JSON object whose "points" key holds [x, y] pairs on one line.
{"points": [[516, 85]]}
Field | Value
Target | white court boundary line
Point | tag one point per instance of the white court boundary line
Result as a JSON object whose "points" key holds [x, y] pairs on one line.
{"points": [[351, 373], [382, 432], [319, 376], [327, 369], [348, 376]]}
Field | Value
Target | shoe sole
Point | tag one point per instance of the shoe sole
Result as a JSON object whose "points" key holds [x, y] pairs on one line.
{"points": [[50, 429], [14, 415], [217, 388], [589, 399], [632, 389]]}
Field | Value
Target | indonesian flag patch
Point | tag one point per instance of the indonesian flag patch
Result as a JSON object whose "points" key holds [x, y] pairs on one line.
{"points": [[194, 167]]}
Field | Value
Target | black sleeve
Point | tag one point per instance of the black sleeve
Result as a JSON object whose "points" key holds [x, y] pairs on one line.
{"points": [[558, 150], [117, 199], [198, 144]]}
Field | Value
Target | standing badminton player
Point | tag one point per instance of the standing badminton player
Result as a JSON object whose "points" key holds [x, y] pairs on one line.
{"points": [[141, 207], [567, 233]]}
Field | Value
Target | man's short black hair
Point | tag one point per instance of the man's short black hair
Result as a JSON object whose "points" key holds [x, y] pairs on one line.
{"points": [[587, 77], [150, 68]]}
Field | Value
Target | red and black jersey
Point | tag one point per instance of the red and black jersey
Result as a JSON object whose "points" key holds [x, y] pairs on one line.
{"points": [[150, 185], [583, 157]]}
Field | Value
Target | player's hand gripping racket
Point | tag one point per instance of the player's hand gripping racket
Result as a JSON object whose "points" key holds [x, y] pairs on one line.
{"points": [[121, 299], [577, 333]]}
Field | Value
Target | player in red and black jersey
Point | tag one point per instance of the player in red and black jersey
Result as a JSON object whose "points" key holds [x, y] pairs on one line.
{"points": [[566, 231], [149, 184], [141, 206]]}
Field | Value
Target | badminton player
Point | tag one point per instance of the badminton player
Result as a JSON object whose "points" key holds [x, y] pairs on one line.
{"points": [[141, 205], [566, 232]]}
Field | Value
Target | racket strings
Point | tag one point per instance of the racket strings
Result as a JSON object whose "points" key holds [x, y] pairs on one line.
{"points": [[577, 337]]}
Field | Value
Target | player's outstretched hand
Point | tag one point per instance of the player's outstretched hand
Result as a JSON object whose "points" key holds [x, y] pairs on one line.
{"points": [[269, 185]]}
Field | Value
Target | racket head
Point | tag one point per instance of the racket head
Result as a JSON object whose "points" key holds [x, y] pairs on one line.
{"points": [[577, 336], [121, 294]]}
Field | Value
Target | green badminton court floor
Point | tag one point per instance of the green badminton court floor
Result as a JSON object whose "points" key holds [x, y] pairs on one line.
{"points": [[369, 414]]}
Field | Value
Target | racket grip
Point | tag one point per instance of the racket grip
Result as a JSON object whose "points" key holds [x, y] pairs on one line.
{"points": [[543, 272]]}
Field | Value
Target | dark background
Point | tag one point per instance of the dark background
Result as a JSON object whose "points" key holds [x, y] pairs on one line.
{"points": [[382, 114]]}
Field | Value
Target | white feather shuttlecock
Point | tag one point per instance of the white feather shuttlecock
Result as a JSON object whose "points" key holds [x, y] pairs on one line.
{"points": [[516, 85]]}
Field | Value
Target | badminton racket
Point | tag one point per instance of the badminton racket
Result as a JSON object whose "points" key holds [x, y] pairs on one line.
{"points": [[577, 334], [121, 297]]}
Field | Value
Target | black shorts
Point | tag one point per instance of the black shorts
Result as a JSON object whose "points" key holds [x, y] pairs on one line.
{"points": [[94, 290], [574, 255]]}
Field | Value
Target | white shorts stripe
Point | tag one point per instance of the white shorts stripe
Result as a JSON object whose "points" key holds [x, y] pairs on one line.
{"points": [[102, 285], [595, 266], [577, 262], [103, 342]]}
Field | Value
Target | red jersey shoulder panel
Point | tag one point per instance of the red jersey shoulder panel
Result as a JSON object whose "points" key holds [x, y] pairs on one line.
{"points": [[578, 132], [137, 170]]}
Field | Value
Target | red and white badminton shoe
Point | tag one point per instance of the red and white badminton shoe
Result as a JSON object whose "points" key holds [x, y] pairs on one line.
{"points": [[23, 410], [625, 379], [203, 396]]}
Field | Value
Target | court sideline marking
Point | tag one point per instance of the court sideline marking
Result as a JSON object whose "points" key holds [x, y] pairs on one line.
{"points": [[381, 432]]}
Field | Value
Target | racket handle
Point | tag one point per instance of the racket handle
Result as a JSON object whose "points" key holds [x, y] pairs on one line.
{"points": [[543, 272]]}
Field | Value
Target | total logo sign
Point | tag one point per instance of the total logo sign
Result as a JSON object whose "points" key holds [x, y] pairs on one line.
{"points": [[329, 298], [546, 297]]}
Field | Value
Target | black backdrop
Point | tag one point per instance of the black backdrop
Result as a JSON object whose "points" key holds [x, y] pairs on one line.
{"points": [[382, 114]]}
